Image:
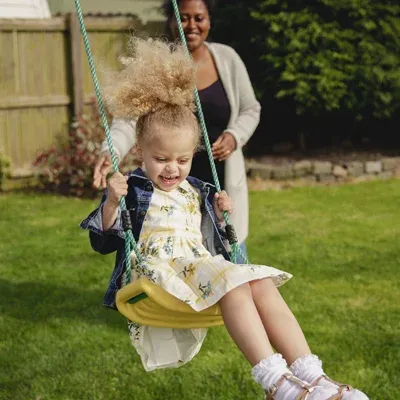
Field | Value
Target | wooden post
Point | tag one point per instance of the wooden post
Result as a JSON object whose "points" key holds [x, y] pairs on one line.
{"points": [[76, 63]]}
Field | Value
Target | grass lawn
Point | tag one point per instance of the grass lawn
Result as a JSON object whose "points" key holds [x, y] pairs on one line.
{"points": [[57, 342]]}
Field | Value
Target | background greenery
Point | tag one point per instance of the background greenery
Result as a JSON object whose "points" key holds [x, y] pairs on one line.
{"points": [[58, 343], [326, 69]]}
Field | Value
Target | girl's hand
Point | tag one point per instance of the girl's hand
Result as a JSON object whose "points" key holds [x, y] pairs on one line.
{"points": [[117, 187], [222, 202], [224, 146]]}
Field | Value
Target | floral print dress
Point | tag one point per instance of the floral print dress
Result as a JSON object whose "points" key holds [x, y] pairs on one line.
{"points": [[175, 259]]}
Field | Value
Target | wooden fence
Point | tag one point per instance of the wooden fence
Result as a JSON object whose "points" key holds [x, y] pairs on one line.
{"points": [[45, 78]]}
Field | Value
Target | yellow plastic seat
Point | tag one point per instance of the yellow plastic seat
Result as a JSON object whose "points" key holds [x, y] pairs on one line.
{"points": [[161, 309]]}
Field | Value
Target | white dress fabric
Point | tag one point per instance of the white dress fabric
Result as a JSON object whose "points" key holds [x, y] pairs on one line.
{"points": [[171, 243]]}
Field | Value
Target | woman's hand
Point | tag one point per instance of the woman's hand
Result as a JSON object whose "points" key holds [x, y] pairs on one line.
{"points": [[224, 146], [222, 202], [102, 168]]}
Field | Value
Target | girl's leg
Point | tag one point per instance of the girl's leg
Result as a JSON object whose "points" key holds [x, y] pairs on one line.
{"points": [[279, 322], [244, 325], [288, 338], [309, 368], [246, 328]]}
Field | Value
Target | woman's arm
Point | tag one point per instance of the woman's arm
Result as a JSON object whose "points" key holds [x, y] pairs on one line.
{"points": [[249, 108], [123, 134]]}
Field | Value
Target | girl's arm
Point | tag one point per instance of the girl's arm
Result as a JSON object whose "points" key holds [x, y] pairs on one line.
{"points": [[110, 215], [117, 187], [222, 202], [103, 242], [104, 224]]}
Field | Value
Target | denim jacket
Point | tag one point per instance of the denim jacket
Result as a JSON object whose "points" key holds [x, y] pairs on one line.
{"points": [[140, 191]]}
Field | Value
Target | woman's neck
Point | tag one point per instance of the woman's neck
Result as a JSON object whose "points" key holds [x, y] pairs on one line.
{"points": [[200, 54]]}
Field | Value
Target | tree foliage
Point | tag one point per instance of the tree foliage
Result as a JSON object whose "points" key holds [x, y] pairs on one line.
{"points": [[324, 55]]}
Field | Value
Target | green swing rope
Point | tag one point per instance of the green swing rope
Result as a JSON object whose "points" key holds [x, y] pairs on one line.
{"points": [[235, 248], [130, 242]]}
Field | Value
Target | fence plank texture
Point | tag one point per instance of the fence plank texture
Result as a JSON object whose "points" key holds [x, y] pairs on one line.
{"points": [[45, 79]]}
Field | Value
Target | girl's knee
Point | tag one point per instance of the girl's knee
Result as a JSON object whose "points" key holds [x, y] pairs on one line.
{"points": [[240, 292], [265, 282], [263, 287]]}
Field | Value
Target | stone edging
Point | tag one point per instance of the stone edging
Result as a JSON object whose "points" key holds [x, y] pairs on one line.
{"points": [[324, 171]]}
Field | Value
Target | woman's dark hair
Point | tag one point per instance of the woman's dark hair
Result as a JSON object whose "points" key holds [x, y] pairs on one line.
{"points": [[168, 9]]}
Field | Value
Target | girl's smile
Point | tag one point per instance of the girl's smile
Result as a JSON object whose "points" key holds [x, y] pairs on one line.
{"points": [[167, 156], [169, 180]]}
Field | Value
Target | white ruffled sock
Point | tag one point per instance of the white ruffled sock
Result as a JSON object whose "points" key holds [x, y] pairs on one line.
{"points": [[268, 371], [309, 368]]}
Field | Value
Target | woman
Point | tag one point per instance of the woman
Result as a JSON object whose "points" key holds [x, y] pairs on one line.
{"points": [[230, 108]]}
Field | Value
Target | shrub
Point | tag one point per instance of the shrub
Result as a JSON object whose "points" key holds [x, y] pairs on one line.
{"points": [[67, 166], [323, 54], [332, 54], [329, 67]]}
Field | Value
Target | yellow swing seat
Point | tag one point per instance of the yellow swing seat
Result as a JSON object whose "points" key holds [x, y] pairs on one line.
{"points": [[146, 303]]}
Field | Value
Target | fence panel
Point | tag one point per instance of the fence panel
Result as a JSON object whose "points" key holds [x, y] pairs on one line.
{"points": [[45, 78]]}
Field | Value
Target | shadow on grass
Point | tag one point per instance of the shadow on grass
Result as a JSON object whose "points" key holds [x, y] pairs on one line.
{"points": [[39, 302]]}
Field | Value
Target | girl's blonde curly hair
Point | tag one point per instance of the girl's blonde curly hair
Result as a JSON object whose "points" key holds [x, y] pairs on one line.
{"points": [[155, 86]]}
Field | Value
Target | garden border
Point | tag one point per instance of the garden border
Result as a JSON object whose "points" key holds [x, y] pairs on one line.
{"points": [[325, 171]]}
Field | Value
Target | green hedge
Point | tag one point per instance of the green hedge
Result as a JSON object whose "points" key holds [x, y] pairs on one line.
{"points": [[312, 61]]}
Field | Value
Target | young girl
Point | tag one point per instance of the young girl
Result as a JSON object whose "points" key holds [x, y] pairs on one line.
{"points": [[177, 221]]}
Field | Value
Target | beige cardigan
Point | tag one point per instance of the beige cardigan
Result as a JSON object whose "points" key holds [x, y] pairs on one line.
{"points": [[245, 115]]}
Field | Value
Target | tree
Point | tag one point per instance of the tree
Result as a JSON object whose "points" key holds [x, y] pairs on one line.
{"points": [[320, 57]]}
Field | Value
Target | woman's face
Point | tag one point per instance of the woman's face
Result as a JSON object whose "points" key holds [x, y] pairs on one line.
{"points": [[195, 23]]}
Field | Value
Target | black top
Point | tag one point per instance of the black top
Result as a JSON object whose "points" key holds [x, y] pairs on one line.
{"points": [[217, 111]]}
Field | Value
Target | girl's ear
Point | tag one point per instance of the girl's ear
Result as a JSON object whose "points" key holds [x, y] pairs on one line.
{"points": [[139, 154]]}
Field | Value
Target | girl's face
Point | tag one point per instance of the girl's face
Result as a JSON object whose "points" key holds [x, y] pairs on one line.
{"points": [[167, 157], [195, 23]]}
